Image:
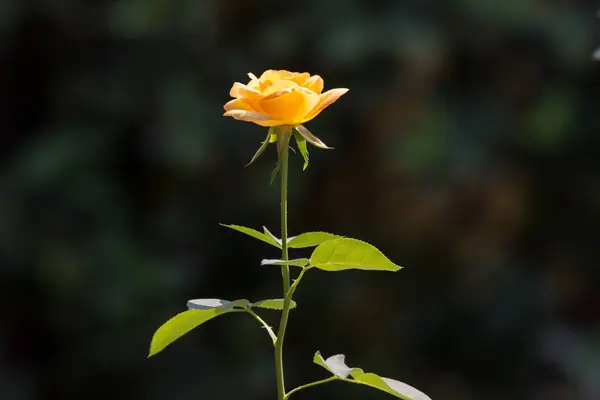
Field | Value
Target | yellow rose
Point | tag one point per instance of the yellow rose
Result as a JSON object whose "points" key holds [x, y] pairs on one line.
{"points": [[280, 98]]}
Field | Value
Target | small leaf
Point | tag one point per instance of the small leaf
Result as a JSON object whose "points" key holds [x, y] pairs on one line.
{"points": [[345, 253], [255, 234], [297, 262], [274, 304], [181, 324], [337, 366], [334, 364], [268, 233], [205, 304], [301, 143], [391, 386], [310, 138], [262, 147], [310, 239], [318, 359], [356, 372]]}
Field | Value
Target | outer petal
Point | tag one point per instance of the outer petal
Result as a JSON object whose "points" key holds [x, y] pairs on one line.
{"points": [[311, 100], [239, 90], [325, 100], [314, 83], [254, 102], [250, 116], [238, 104]]}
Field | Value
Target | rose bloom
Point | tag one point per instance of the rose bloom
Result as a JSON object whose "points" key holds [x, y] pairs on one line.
{"points": [[280, 98]]}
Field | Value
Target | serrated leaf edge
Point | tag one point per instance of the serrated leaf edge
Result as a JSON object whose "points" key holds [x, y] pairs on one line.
{"points": [[316, 265]]}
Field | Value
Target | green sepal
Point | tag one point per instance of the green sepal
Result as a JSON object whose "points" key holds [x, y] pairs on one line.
{"points": [[263, 146], [310, 138], [301, 143], [272, 134]]}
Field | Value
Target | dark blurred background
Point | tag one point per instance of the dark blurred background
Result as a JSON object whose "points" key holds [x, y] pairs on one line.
{"points": [[466, 150]]}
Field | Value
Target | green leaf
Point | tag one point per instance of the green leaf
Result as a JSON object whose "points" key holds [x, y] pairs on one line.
{"points": [[255, 234], [297, 262], [337, 366], [205, 304], [310, 138], [318, 359], [268, 233], [310, 239], [274, 304], [345, 253], [334, 364], [181, 324], [262, 147], [391, 386], [301, 143]]}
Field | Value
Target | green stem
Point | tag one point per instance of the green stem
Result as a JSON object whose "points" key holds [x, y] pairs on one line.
{"points": [[283, 141], [330, 379]]}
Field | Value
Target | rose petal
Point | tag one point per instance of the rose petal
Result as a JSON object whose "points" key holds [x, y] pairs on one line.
{"points": [[290, 106], [262, 85], [325, 100], [276, 75], [311, 100], [314, 83], [300, 79], [278, 86], [235, 89], [239, 90], [238, 104], [278, 93], [250, 116], [282, 74]]}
